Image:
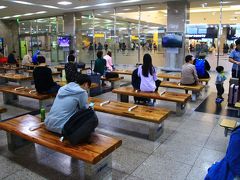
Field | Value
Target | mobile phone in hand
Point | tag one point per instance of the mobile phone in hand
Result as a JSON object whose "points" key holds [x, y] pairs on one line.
{"points": [[91, 104]]}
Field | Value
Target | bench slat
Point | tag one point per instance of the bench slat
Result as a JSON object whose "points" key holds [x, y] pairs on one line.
{"points": [[146, 113], [124, 72], [112, 79], [25, 92], [177, 76], [99, 147], [227, 123], [169, 84], [167, 96]]}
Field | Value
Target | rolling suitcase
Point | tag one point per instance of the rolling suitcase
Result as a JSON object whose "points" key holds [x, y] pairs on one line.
{"points": [[233, 93]]}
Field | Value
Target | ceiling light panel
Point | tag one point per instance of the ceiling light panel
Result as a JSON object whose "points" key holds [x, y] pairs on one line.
{"points": [[65, 3], [3, 7], [104, 4], [23, 2], [51, 7]]}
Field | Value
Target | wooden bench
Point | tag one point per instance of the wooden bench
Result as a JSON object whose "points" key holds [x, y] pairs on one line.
{"points": [[150, 117], [21, 79], [124, 72], [180, 99], [2, 110], [11, 93], [228, 125], [194, 88], [96, 154], [167, 76], [114, 81]]}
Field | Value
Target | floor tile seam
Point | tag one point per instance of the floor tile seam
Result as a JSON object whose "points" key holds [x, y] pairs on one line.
{"points": [[12, 173]]}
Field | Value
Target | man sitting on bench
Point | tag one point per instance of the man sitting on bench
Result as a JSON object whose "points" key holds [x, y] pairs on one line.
{"points": [[189, 73], [70, 99], [43, 80]]}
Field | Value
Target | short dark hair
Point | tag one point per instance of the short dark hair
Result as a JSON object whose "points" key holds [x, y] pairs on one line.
{"points": [[41, 59], [71, 52], [99, 54], [71, 58], [219, 69], [237, 42], [109, 53], [83, 78], [188, 58]]}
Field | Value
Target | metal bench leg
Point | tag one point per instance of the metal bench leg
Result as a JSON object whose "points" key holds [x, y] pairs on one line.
{"points": [[15, 142], [101, 170], [122, 98], [180, 109], [194, 96], [9, 98], [155, 130]]}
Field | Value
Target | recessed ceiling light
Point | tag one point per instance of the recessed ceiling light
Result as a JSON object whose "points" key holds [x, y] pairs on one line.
{"points": [[150, 7], [235, 6], [81, 7], [104, 4], [16, 15], [64, 3], [23, 2], [51, 7], [3, 7], [28, 14], [6, 17], [41, 12], [130, 1], [126, 9]]}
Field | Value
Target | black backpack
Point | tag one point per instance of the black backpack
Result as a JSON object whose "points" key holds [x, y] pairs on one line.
{"points": [[79, 127]]}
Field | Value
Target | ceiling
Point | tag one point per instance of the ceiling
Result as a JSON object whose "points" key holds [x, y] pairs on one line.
{"points": [[200, 11]]}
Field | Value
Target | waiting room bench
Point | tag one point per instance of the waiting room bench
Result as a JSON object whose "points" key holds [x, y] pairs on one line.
{"points": [[152, 117], [96, 153], [2, 110], [124, 72], [21, 79], [114, 81], [167, 76], [194, 88], [181, 99], [11, 93], [228, 125]]}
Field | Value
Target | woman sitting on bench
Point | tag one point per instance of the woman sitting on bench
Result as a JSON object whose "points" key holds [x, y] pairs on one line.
{"points": [[147, 73], [43, 80]]}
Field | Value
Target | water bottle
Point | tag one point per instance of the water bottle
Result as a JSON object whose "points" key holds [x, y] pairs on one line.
{"points": [[42, 113]]}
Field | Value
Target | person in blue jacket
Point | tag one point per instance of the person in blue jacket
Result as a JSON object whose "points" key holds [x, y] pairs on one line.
{"points": [[229, 167], [34, 58]]}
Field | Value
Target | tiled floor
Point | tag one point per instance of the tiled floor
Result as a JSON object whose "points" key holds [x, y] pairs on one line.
{"points": [[188, 146]]}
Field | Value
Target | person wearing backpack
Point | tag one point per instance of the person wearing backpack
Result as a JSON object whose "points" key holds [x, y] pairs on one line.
{"points": [[202, 66], [70, 99]]}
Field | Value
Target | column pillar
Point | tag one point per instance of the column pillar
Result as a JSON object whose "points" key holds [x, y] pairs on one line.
{"points": [[177, 14], [72, 27]]}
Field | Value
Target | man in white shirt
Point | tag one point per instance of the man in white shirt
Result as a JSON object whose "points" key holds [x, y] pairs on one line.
{"points": [[108, 58]]}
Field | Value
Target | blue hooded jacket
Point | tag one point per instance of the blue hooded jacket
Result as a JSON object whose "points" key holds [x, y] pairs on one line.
{"points": [[34, 58], [69, 100], [229, 167]]}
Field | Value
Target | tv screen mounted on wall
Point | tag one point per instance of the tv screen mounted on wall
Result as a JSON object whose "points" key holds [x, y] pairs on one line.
{"points": [[172, 40], [64, 41]]}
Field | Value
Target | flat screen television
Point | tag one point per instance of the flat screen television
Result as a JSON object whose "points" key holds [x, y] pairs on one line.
{"points": [[64, 41], [172, 40], [212, 32]]}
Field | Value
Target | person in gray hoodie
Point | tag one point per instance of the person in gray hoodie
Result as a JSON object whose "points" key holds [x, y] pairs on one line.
{"points": [[70, 98]]}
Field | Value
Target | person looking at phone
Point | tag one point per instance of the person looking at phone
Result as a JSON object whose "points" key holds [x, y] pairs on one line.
{"points": [[70, 99]]}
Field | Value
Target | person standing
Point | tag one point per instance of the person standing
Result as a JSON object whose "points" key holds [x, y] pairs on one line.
{"points": [[234, 58], [219, 83], [108, 58]]}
